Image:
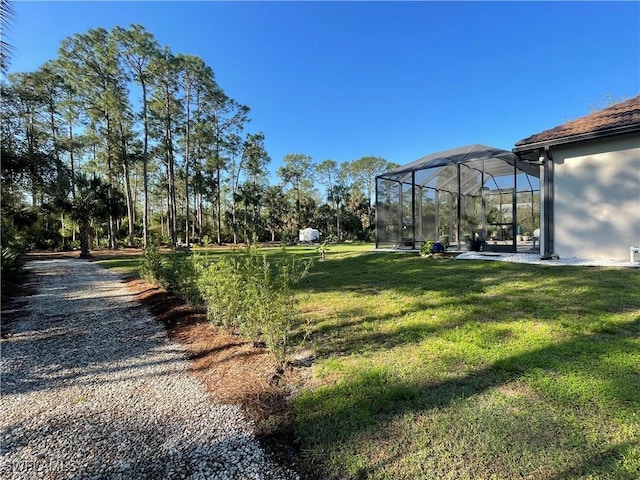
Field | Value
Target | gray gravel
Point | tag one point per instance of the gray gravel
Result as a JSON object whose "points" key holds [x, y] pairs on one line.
{"points": [[92, 388]]}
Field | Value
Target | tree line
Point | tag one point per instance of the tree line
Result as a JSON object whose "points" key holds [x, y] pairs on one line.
{"points": [[119, 141]]}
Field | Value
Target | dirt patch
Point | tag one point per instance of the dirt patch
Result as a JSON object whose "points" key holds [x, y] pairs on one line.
{"points": [[232, 369]]}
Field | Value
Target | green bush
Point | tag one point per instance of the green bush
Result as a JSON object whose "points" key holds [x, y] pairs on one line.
{"points": [[282, 317], [206, 241], [151, 265], [331, 238], [12, 264], [181, 276], [178, 274], [246, 291], [256, 297], [367, 235], [427, 248], [241, 290], [220, 285]]}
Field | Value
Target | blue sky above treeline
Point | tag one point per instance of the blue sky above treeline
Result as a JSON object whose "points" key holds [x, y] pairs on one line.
{"points": [[399, 80]]}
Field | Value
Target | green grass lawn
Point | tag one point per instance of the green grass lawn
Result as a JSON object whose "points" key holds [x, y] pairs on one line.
{"points": [[480, 370], [450, 369], [126, 265]]}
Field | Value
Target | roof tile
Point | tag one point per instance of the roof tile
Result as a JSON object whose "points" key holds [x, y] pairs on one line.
{"points": [[624, 114]]}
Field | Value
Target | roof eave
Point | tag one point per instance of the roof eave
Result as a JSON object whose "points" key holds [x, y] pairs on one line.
{"points": [[577, 138]]}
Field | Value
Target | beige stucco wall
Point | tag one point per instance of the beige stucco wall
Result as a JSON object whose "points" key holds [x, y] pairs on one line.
{"points": [[597, 198]]}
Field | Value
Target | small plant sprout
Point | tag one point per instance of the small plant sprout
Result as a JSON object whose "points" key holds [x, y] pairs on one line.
{"points": [[322, 250]]}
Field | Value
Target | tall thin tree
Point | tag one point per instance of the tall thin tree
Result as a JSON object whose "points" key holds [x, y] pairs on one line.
{"points": [[138, 49]]}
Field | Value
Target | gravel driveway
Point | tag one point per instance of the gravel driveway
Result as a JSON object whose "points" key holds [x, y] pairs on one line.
{"points": [[92, 388]]}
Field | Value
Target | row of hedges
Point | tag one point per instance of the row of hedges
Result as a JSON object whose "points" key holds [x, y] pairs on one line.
{"points": [[243, 290]]}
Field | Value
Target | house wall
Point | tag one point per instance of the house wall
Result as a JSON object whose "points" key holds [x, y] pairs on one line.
{"points": [[597, 197]]}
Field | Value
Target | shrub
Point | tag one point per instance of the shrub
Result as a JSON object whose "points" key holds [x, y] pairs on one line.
{"points": [[181, 277], [283, 314], [12, 264], [427, 248], [331, 238], [257, 296], [367, 235], [220, 284], [206, 241], [151, 265], [246, 291]]}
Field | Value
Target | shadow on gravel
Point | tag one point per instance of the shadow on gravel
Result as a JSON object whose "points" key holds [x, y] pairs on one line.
{"points": [[232, 370], [14, 303], [74, 336], [123, 445]]}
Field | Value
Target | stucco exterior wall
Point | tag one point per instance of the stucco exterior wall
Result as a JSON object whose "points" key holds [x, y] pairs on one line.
{"points": [[597, 198]]}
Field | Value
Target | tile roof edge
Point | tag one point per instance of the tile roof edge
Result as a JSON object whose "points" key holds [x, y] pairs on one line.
{"points": [[525, 147], [534, 141]]}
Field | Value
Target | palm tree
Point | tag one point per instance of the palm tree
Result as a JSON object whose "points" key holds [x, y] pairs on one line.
{"points": [[339, 194], [91, 202], [6, 19]]}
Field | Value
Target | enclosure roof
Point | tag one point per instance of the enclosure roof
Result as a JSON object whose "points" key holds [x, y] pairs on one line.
{"points": [[496, 162], [620, 118]]}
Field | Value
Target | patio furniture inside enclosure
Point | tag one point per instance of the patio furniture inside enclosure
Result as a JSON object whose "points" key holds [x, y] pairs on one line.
{"points": [[466, 198]]}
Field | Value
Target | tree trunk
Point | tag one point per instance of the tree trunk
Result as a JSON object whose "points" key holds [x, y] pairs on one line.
{"points": [[200, 217], [127, 183], [338, 221], [213, 217], [218, 203], [195, 214], [145, 166], [64, 239], [130, 206], [71, 160], [186, 172], [161, 220], [168, 211], [244, 227], [31, 148], [54, 136], [112, 232], [84, 239], [172, 220], [298, 212], [234, 221]]}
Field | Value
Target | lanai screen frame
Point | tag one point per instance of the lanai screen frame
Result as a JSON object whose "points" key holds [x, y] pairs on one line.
{"points": [[466, 176]]}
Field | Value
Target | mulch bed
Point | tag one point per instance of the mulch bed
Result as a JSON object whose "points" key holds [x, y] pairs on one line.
{"points": [[232, 369]]}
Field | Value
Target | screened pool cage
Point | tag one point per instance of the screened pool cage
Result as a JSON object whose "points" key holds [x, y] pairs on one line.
{"points": [[468, 198]]}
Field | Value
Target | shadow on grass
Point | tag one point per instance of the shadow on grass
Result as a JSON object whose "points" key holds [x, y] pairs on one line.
{"points": [[334, 415], [464, 291], [607, 461], [372, 273]]}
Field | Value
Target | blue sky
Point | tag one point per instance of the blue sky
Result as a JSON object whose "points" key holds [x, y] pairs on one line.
{"points": [[341, 80]]}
